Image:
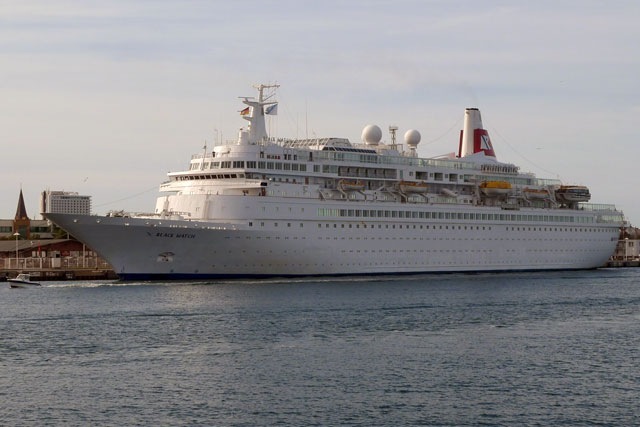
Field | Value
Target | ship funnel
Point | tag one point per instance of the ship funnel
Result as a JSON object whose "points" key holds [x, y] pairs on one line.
{"points": [[473, 138], [243, 137]]}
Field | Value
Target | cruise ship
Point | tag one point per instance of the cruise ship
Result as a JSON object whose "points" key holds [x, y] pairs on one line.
{"points": [[262, 206]]}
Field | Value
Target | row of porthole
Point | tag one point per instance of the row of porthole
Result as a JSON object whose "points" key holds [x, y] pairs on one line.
{"points": [[461, 251], [400, 263], [450, 227], [461, 239], [427, 251]]}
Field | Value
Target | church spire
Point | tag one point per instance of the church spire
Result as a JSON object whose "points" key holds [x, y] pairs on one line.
{"points": [[22, 223], [21, 212]]}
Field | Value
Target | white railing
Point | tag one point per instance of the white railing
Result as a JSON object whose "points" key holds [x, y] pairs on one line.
{"points": [[75, 263]]}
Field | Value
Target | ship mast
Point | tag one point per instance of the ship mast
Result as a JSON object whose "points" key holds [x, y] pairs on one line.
{"points": [[257, 128]]}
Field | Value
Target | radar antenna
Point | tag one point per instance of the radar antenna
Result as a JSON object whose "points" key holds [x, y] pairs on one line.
{"points": [[392, 130]]}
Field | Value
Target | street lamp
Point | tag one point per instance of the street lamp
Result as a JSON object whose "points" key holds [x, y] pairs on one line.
{"points": [[17, 235]]}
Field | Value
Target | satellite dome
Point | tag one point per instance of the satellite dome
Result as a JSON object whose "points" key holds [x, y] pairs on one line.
{"points": [[412, 138], [371, 134]]}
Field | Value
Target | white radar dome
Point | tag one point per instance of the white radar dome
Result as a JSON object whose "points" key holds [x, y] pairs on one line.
{"points": [[372, 134], [412, 138]]}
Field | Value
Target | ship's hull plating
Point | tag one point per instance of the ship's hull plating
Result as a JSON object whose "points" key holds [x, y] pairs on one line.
{"points": [[151, 249]]}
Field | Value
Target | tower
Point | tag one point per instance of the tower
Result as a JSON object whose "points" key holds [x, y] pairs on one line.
{"points": [[22, 223]]}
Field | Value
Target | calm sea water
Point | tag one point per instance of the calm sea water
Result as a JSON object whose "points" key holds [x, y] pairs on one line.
{"points": [[486, 349]]}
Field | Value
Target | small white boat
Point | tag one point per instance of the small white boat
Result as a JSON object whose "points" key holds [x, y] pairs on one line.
{"points": [[22, 280]]}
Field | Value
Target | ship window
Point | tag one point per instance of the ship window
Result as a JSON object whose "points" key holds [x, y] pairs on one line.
{"points": [[225, 165]]}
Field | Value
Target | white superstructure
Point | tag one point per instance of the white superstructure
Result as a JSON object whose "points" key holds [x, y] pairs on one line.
{"points": [[263, 207]]}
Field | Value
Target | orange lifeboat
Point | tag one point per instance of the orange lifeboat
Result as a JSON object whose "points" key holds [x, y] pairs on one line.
{"points": [[351, 185], [536, 193], [495, 188], [413, 187]]}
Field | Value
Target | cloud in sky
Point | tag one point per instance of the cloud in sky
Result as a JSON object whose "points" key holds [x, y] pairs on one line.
{"points": [[104, 98]]}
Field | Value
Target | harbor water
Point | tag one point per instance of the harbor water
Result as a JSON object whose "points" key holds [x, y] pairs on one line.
{"points": [[553, 348]]}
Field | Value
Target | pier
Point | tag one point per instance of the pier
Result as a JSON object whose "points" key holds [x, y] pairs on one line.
{"points": [[616, 263], [52, 259]]}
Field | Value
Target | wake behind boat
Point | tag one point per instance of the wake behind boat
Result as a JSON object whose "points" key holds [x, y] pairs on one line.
{"points": [[260, 207], [22, 280]]}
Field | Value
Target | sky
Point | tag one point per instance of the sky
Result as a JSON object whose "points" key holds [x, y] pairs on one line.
{"points": [[104, 98]]}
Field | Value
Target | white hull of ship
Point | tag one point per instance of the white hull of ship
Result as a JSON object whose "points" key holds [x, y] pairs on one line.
{"points": [[145, 249]]}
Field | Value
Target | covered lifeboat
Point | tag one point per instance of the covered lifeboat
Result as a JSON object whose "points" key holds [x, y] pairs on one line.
{"points": [[573, 193], [495, 188]]}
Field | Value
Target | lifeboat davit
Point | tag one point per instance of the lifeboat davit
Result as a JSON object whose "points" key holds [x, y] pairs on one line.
{"points": [[495, 188], [573, 193]]}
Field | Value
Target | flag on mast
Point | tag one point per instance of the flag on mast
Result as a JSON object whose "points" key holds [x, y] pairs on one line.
{"points": [[272, 109]]}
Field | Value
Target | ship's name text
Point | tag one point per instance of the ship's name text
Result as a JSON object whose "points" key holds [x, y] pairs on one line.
{"points": [[177, 235]]}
